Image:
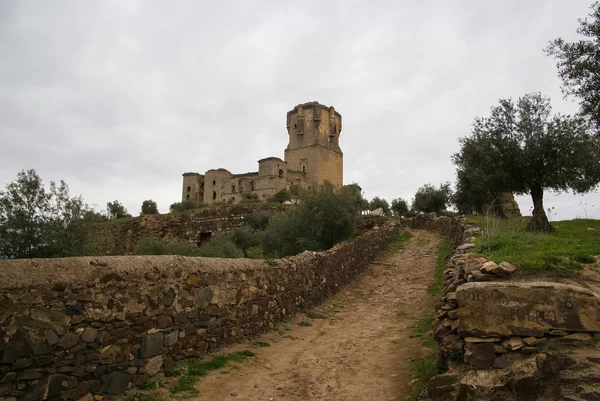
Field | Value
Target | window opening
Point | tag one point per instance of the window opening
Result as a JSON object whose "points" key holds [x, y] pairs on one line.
{"points": [[189, 188], [214, 195], [280, 173]]}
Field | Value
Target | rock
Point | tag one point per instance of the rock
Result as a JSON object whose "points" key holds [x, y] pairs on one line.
{"points": [[529, 350], [488, 267], [41, 348], [443, 385], [153, 366], [109, 354], [87, 397], [452, 341], [52, 338], [482, 340], [478, 276], [19, 346], [171, 338], [559, 333], [152, 345], [578, 337], [500, 362], [80, 391], [69, 340], [58, 383], [453, 314], [466, 246], [533, 340], [89, 335], [530, 309], [377, 212], [513, 343], [202, 296], [115, 383], [480, 355], [505, 269], [451, 296], [163, 321], [233, 394], [499, 349]]}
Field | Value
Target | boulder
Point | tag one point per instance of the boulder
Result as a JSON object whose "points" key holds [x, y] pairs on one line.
{"points": [[505, 269], [377, 212], [505, 309], [480, 355]]}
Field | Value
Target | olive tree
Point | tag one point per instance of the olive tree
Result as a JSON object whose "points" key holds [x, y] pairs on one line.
{"points": [[522, 148]]}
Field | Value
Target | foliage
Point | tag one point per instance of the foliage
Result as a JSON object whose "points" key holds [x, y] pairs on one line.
{"points": [[281, 196], [559, 253], [321, 219], [141, 397], [429, 199], [258, 221], [149, 207], [396, 244], [250, 198], [35, 222], [378, 202], [472, 196], [399, 207], [578, 67], [521, 148], [244, 239], [115, 210], [178, 207], [354, 192], [219, 247]]}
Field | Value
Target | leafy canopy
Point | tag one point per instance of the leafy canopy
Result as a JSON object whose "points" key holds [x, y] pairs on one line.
{"points": [[429, 199], [36, 222], [377, 203], [578, 65], [522, 148], [149, 207], [399, 207], [116, 210]]}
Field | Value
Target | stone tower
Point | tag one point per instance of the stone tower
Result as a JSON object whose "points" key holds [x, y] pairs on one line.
{"points": [[313, 148]]}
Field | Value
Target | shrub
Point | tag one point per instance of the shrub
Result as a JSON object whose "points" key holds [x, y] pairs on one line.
{"points": [[178, 207], [257, 221], [220, 247], [149, 207]]}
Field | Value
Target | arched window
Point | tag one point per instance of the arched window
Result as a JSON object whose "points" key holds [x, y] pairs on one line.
{"points": [[280, 173]]}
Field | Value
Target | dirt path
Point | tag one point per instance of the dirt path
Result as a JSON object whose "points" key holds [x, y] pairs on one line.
{"points": [[361, 352]]}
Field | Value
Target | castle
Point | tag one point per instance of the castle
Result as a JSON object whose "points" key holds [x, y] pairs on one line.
{"points": [[312, 156]]}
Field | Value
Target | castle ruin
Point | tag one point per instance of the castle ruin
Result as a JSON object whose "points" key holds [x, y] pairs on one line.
{"points": [[312, 156]]}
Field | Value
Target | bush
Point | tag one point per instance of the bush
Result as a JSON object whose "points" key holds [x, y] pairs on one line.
{"points": [[280, 197], [430, 199], [257, 221], [377, 203], [178, 207], [149, 207], [322, 218]]}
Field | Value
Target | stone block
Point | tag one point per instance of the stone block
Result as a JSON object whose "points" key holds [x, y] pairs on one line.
{"points": [[525, 309], [153, 366], [152, 345], [69, 340], [171, 338], [115, 383], [480, 355], [89, 335]]}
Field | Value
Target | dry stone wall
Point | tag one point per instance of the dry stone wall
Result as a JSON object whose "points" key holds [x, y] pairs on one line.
{"points": [[195, 226], [518, 339], [73, 327]]}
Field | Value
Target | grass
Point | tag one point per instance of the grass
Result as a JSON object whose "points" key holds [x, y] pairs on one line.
{"points": [[141, 397], [304, 324], [315, 315], [397, 243], [260, 344], [191, 372], [425, 367], [445, 250], [560, 253]]}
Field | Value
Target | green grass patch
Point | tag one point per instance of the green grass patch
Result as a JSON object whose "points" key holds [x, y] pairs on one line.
{"points": [[141, 397], [260, 344], [149, 384], [423, 369], [191, 372], [445, 250], [397, 244], [560, 253], [304, 324]]}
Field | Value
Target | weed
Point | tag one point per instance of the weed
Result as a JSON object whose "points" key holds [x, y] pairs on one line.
{"points": [[445, 250], [456, 355], [185, 383], [149, 384], [398, 243], [141, 397], [401, 314], [583, 258], [260, 344], [304, 324], [423, 370]]}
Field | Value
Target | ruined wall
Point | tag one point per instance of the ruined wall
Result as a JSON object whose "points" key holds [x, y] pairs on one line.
{"points": [[518, 338], [114, 237], [96, 325]]}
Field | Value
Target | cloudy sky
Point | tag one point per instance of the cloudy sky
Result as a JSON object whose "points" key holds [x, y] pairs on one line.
{"points": [[118, 98]]}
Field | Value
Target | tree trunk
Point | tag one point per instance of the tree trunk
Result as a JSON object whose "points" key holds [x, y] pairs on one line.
{"points": [[539, 221]]}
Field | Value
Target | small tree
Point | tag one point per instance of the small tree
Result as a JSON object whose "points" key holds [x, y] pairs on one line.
{"points": [[521, 148], [258, 221], [35, 222], [377, 203], [116, 210], [429, 199], [281, 196], [244, 239], [149, 207], [399, 207], [578, 65]]}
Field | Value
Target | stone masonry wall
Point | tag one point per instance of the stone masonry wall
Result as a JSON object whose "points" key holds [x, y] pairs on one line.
{"points": [[510, 333], [73, 327], [114, 237]]}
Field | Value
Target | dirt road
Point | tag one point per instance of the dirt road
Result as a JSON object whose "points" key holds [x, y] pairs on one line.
{"points": [[361, 351]]}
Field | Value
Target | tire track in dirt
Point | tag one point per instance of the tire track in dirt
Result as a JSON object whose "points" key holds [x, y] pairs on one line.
{"points": [[361, 352]]}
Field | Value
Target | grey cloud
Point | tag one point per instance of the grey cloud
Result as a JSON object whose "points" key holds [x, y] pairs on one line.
{"points": [[119, 98]]}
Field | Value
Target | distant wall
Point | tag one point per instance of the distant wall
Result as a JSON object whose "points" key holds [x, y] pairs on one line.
{"points": [[454, 229], [73, 327], [120, 238]]}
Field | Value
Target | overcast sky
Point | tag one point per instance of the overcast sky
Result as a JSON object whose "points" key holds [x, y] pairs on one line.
{"points": [[119, 98]]}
